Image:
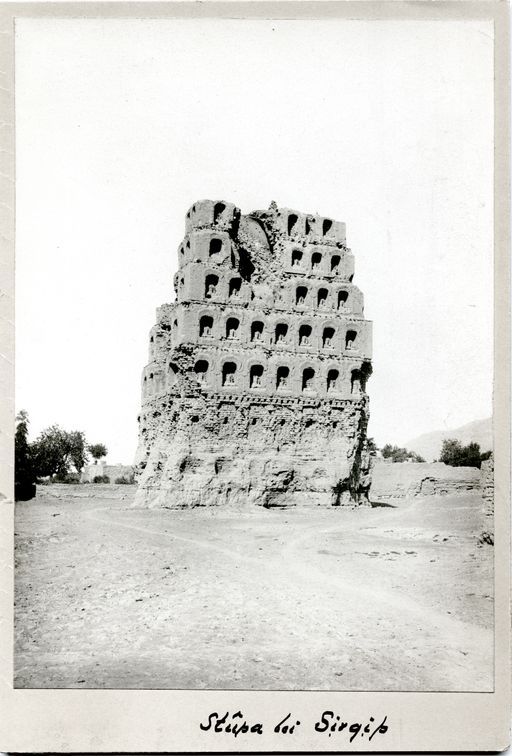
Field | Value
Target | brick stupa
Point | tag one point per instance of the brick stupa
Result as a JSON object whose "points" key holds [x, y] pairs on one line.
{"points": [[255, 390]]}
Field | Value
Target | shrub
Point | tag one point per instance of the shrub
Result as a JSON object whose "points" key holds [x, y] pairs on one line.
{"points": [[456, 455], [396, 454], [125, 481], [66, 477], [101, 479]]}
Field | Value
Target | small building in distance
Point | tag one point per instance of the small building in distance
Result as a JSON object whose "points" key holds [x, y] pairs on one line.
{"points": [[112, 472], [255, 388]]}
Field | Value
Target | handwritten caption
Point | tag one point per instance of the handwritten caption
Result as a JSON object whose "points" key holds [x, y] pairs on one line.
{"points": [[329, 723]]}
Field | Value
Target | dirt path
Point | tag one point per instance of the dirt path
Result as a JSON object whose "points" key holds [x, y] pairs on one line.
{"points": [[313, 573], [376, 605], [381, 599], [364, 592], [202, 543]]}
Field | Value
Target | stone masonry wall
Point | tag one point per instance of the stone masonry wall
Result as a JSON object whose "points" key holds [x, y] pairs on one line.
{"points": [[255, 389]]}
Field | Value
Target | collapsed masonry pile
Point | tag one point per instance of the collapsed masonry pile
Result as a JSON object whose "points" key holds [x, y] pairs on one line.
{"points": [[405, 480]]}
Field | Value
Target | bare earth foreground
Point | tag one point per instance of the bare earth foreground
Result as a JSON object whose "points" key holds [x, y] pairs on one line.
{"points": [[382, 598]]}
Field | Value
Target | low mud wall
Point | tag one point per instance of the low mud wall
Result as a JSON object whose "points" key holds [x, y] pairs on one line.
{"points": [[399, 480], [84, 491], [389, 481]]}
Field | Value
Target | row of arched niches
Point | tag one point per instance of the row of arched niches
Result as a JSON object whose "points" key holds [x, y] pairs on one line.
{"points": [[304, 334], [233, 374], [284, 334], [198, 284]]}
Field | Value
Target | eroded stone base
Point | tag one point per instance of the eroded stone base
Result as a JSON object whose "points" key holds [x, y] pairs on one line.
{"points": [[243, 453]]}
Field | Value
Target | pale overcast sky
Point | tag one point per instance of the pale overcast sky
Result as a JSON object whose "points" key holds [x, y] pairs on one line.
{"points": [[123, 124]]}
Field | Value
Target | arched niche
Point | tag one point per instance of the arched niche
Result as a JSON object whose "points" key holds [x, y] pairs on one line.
{"points": [[205, 325], [316, 260], [256, 330], [350, 339], [322, 295], [292, 222], [296, 258], [218, 210], [282, 377], [301, 295], [229, 373], [305, 332], [201, 370], [342, 298], [281, 332], [256, 376], [234, 287], [333, 379], [210, 285], [308, 377], [215, 247], [328, 337], [232, 328]]}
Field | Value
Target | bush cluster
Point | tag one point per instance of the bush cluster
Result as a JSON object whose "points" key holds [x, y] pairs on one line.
{"points": [[125, 481], [397, 454], [101, 479], [56, 455], [453, 453]]}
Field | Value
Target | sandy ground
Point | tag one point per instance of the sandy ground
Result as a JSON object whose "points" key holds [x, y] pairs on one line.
{"points": [[387, 598]]}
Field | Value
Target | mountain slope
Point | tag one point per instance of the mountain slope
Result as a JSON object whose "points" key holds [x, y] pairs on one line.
{"points": [[429, 444]]}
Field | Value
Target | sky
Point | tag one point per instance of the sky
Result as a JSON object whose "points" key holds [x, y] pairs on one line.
{"points": [[122, 124]]}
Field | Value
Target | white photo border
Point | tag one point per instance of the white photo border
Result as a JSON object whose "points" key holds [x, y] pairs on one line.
{"points": [[168, 721]]}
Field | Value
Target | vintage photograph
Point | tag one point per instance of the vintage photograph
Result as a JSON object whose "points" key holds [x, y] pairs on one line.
{"points": [[254, 355]]}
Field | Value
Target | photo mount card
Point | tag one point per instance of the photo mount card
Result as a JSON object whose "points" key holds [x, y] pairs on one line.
{"points": [[255, 449]]}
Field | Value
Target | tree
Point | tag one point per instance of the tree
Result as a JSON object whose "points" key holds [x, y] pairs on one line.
{"points": [[398, 454], [453, 453], [97, 451], [55, 450], [77, 449], [50, 452], [24, 474]]}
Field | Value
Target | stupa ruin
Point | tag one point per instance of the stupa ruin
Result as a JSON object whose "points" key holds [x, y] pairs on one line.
{"points": [[255, 389]]}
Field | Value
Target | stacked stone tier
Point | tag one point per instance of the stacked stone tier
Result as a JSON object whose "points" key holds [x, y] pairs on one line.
{"points": [[215, 248], [259, 371]]}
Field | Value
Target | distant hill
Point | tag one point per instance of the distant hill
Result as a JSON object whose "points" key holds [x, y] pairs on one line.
{"points": [[429, 445]]}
